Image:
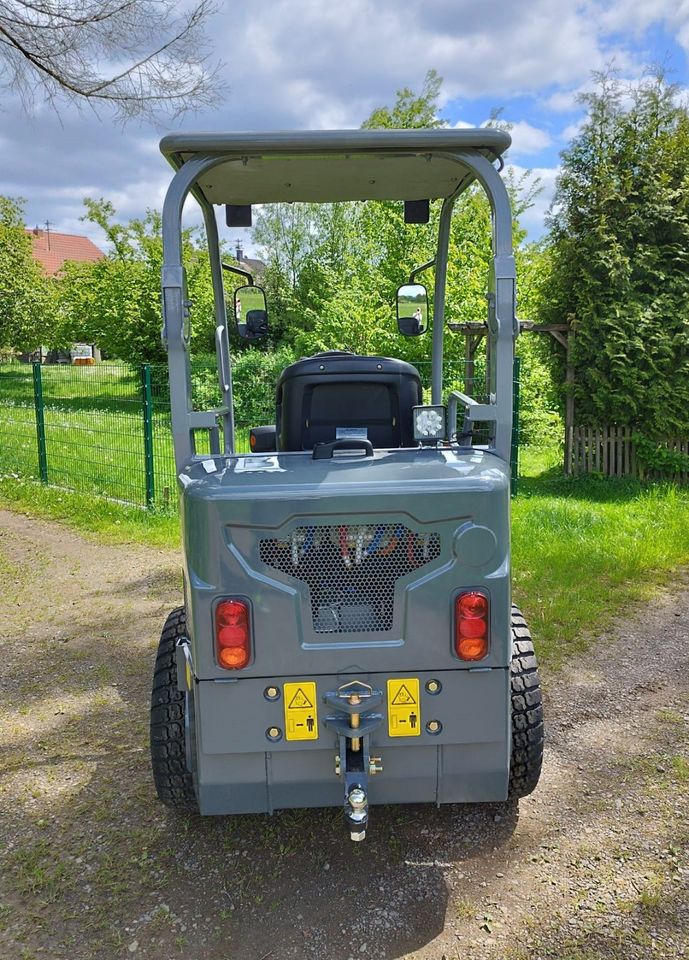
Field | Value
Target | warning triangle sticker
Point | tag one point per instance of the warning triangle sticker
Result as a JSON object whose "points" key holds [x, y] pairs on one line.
{"points": [[403, 696], [300, 701]]}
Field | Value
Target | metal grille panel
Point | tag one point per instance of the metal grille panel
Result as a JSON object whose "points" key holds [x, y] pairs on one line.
{"points": [[351, 571]]}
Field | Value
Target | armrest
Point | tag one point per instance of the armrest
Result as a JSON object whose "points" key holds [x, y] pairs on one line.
{"points": [[474, 411]]}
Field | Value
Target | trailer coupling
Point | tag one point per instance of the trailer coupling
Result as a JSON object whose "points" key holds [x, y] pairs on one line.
{"points": [[354, 721]]}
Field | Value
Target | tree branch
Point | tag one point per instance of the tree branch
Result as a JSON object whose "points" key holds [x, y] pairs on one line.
{"points": [[64, 43], [60, 20], [156, 53]]}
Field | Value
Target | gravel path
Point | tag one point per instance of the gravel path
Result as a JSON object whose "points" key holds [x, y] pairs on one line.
{"points": [[593, 865]]}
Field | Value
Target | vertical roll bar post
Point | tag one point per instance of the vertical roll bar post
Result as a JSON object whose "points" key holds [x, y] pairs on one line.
{"points": [[176, 321], [502, 320]]}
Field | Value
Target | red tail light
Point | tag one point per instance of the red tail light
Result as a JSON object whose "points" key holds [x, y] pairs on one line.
{"points": [[232, 634], [472, 625]]}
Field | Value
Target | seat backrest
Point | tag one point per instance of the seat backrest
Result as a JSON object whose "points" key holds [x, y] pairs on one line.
{"points": [[342, 395]]}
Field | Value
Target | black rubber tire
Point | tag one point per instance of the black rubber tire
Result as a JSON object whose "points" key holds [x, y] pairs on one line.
{"points": [[173, 781], [527, 712]]}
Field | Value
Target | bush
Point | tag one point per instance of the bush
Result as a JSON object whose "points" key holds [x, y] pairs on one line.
{"points": [[254, 377]]}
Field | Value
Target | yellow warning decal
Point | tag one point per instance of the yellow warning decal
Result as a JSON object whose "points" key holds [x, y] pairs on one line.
{"points": [[404, 708], [301, 715]]}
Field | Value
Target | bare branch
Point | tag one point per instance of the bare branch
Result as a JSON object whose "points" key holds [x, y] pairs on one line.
{"points": [[159, 58], [130, 71], [60, 19]]}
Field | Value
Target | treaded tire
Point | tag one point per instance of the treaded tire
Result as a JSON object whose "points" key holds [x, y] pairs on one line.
{"points": [[173, 781], [527, 712]]}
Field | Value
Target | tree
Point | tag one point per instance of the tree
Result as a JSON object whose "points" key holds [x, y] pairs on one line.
{"points": [[619, 258], [115, 302], [156, 56], [333, 269], [377, 250], [411, 111], [287, 234], [25, 294]]}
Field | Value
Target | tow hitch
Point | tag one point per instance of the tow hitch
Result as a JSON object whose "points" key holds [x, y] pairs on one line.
{"points": [[354, 722]]}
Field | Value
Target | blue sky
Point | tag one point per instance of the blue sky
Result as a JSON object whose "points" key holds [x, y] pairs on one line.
{"points": [[296, 64], [545, 121]]}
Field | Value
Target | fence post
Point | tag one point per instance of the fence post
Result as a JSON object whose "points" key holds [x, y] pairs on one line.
{"points": [[569, 404], [516, 398], [40, 422], [147, 405]]}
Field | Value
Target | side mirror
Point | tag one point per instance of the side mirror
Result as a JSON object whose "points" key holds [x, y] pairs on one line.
{"points": [[412, 309], [251, 312]]}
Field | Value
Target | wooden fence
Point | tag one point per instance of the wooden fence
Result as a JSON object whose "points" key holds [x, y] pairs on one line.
{"points": [[611, 452]]}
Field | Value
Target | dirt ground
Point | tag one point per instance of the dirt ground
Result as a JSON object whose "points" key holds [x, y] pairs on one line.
{"points": [[594, 864]]}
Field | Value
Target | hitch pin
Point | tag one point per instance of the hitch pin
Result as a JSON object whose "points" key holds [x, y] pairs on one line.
{"points": [[356, 741]]}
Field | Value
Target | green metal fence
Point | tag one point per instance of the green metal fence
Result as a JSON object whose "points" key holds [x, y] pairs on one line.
{"points": [[105, 429]]}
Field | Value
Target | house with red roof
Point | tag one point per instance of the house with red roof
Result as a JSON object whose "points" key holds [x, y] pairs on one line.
{"points": [[53, 249]]}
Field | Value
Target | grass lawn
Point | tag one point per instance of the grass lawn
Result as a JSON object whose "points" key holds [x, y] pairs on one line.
{"points": [[583, 549], [97, 450]]}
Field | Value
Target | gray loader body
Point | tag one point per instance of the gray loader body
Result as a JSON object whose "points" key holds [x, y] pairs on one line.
{"points": [[458, 498], [348, 566]]}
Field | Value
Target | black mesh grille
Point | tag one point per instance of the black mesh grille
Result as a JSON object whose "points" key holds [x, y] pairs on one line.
{"points": [[351, 570]]}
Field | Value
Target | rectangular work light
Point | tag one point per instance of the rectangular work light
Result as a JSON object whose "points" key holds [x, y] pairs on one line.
{"points": [[429, 423]]}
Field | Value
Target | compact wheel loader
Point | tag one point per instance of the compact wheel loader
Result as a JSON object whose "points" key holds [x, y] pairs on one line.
{"points": [[348, 636]]}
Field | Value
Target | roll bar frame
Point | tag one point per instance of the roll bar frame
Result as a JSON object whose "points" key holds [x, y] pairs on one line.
{"points": [[502, 323]]}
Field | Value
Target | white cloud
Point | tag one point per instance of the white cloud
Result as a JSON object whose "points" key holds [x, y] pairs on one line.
{"points": [[682, 96], [527, 139], [638, 15], [310, 64], [533, 218], [571, 131], [480, 51], [563, 101]]}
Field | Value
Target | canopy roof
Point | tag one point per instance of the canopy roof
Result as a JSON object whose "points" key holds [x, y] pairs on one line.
{"points": [[329, 165]]}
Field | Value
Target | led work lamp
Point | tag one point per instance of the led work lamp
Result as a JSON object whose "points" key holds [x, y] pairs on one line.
{"points": [[429, 424]]}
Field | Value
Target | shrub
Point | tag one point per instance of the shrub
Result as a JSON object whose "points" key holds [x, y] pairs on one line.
{"points": [[254, 377]]}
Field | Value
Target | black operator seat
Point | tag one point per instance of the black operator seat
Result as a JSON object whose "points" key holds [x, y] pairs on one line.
{"points": [[341, 395]]}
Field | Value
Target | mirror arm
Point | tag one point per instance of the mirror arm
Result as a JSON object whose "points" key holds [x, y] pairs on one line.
{"points": [[239, 271], [418, 270]]}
